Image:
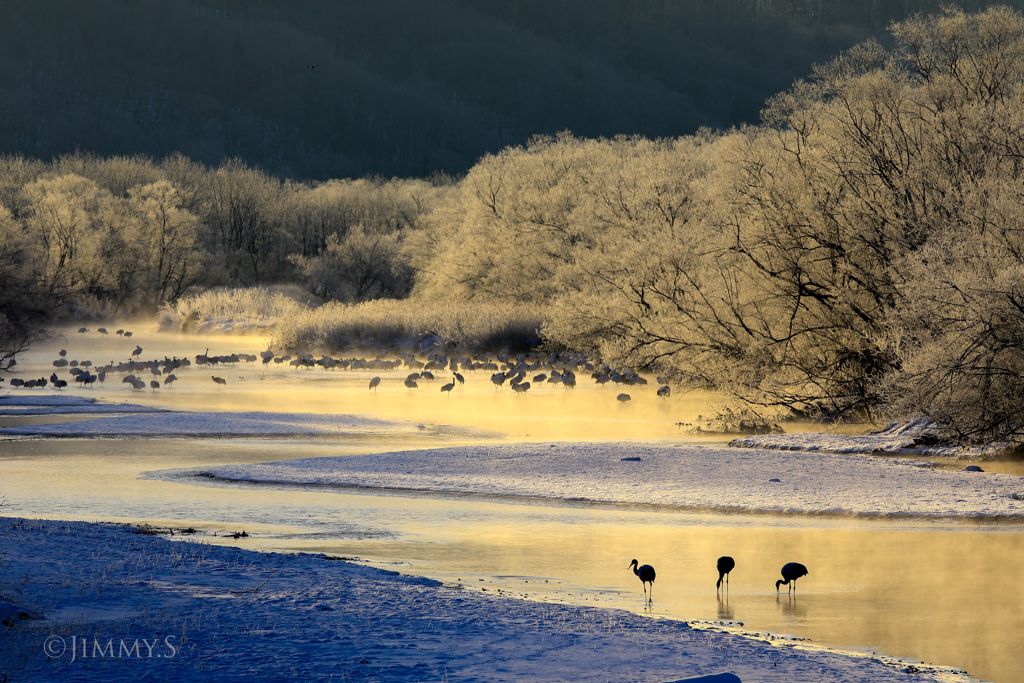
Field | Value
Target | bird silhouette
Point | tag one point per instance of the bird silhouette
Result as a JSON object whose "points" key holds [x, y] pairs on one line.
{"points": [[447, 388], [791, 571], [374, 382], [725, 565], [646, 574], [219, 380], [411, 383]]}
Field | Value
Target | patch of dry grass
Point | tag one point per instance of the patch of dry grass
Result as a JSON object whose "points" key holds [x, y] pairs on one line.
{"points": [[250, 304], [391, 322]]}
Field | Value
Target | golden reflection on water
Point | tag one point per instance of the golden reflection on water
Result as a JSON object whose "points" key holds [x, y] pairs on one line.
{"points": [[944, 593], [546, 412]]}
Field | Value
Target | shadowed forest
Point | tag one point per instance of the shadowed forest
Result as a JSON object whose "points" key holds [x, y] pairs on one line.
{"points": [[858, 251], [320, 89]]}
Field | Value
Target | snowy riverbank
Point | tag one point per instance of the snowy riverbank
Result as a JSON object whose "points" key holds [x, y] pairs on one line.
{"points": [[192, 611], [691, 477]]}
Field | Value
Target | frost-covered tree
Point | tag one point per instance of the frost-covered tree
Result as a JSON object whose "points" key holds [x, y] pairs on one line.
{"points": [[169, 237], [362, 266], [59, 219], [244, 211], [25, 304], [957, 329]]}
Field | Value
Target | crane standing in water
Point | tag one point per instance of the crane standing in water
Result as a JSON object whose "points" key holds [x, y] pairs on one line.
{"points": [[646, 574], [725, 565], [791, 571]]}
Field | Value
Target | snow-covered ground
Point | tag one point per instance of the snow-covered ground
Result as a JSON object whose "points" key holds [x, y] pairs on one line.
{"points": [[899, 438], [120, 606], [685, 476]]}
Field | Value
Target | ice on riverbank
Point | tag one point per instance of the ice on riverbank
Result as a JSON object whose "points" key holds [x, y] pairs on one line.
{"points": [[914, 438], [191, 611], [685, 476], [63, 404], [72, 409], [169, 424], [24, 398]]}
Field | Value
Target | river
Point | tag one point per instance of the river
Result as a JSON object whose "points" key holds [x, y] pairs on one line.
{"points": [[939, 592]]}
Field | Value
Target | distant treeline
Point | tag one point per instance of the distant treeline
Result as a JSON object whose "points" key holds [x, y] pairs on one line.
{"points": [[861, 250], [318, 89]]}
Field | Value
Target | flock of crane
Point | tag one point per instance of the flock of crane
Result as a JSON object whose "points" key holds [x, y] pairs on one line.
{"points": [[520, 373], [791, 571], [555, 369]]}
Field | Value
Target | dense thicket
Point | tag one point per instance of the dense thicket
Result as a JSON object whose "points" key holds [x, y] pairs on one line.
{"points": [[118, 235], [400, 87]]}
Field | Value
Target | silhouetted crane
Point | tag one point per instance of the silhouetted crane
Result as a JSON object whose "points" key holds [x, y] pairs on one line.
{"points": [[219, 380], [791, 571], [646, 574], [447, 388], [725, 565], [411, 383], [374, 382]]}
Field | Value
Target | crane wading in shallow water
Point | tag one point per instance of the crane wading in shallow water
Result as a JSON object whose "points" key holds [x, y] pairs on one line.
{"points": [[791, 572], [725, 565], [646, 574]]}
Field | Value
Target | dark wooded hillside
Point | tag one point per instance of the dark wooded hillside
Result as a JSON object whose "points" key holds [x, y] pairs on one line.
{"points": [[328, 88]]}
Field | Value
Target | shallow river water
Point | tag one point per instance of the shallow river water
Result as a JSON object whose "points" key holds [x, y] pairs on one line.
{"points": [[940, 592]]}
